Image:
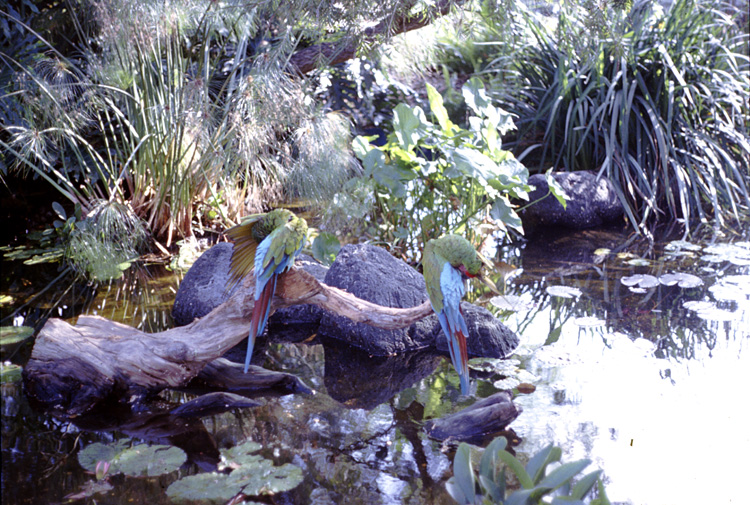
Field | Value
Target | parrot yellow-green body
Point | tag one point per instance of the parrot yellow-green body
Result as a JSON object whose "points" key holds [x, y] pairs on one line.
{"points": [[447, 262], [268, 245]]}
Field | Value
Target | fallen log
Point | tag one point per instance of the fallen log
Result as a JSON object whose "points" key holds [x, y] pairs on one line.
{"points": [[73, 368]]}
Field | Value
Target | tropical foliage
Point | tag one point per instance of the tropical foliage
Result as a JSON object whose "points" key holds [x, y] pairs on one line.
{"points": [[434, 177], [657, 102], [488, 486]]}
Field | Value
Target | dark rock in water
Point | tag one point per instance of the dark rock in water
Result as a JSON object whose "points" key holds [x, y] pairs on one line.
{"points": [[360, 381], [372, 274], [485, 417], [488, 337], [591, 202], [204, 288], [212, 404]]}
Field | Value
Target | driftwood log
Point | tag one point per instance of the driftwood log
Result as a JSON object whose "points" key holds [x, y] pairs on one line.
{"points": [[74, 368]]}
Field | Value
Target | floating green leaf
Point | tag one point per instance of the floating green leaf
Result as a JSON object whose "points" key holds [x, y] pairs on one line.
{"points": [[10, 373], [640, 280], [252, 475], [683, 280], [136, 461], [511, 303], [14, 334], [564, 291]]}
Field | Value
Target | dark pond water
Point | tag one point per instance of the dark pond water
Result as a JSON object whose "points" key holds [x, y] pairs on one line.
{"points": [[634, 374]]}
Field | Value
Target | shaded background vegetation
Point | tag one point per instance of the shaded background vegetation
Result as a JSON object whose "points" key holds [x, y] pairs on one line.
{"points": [[180, 117]]}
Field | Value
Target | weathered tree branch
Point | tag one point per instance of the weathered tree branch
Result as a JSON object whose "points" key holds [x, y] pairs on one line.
{"points": [[309, 58], [74, 367]]}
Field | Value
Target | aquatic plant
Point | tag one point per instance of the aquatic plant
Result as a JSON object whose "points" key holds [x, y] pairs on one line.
{"points": [[488, 485], [434, 178], [656, 102]]}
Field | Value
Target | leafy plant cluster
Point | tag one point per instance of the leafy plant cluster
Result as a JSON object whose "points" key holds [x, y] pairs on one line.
{"points": [[537, 485], [656, 102], [436, 177]]}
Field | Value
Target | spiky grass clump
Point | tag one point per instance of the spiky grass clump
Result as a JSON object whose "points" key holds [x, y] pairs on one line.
{"points": [[659, 105]]}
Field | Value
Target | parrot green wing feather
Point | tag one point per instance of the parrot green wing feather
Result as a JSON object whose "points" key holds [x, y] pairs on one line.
{"points": [[432, 267], [243, 253]]}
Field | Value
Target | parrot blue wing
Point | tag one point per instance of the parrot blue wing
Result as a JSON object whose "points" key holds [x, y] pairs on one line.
{"points": [[453, 323], [273, 256]]}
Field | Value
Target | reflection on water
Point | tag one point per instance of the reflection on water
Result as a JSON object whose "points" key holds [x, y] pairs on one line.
{"points": [[651, 391], [647, 382]]}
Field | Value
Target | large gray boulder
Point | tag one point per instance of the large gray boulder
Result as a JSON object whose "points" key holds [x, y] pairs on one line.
{"points": [[592, 202], [367, 272], [372, 274]]}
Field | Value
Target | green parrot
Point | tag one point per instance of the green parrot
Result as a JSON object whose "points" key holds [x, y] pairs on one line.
{"points": [[446, 263], [268, 244]]}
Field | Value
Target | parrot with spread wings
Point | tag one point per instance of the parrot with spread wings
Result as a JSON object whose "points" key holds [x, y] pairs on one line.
{"points": [[268, 245]]}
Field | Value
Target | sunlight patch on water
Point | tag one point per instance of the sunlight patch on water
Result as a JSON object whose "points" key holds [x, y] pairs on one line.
{"points": [[663, 430]]}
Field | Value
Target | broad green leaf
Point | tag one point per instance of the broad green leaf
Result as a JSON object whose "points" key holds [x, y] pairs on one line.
{"points": [[488, 463], [475, 164], [14, 334], [496, 490], [564, 291], [555, 188], [59, 210], [10, 372], [96, 452], [456, 492], [137, 461], [149, 460], [204, 488], [517, 468], [361, 147], [437, 108], [585, 485], [476, 96], [409, 125], [554, 335], [325, 247], [539, 461], [463, 471], [563, 474], [373, 161], [521, 497], [503, 211]]}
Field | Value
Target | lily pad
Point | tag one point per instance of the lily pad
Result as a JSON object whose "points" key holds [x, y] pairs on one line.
{"points": [[564, 291], [10, 372], [699, 306], [511, 303], [681, 245], [683, 280], [251, 475], [588, 321], [638, 262], [14, 334], [645, 281], [137, 461], [717, 315]]}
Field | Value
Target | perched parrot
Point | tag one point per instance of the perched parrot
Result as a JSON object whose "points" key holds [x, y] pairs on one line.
{"points": [[446, 263], [268, 244]]}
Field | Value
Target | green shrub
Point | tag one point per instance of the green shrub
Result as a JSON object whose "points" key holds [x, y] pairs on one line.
{"points": [[434, 178], [488, 486]]}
